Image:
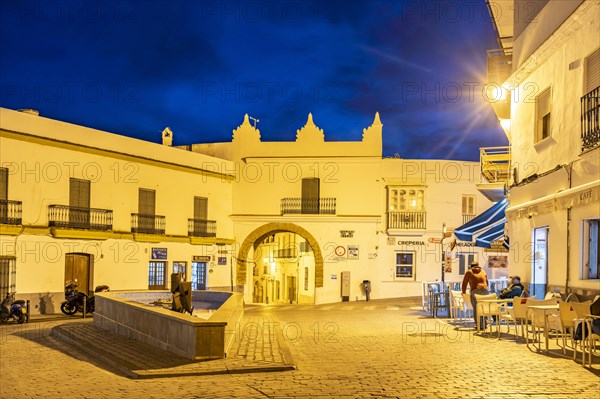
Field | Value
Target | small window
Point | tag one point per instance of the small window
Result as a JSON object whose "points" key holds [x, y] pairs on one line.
{"points": [[543, 111], [591, 249], [405, 265], [464, 261], [468, 204]]}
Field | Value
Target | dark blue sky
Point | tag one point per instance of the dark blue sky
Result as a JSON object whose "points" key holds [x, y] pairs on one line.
{"points": [[198, 66]]}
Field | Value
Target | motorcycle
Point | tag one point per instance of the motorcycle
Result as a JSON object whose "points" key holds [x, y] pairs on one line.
{"points": [[75, 299], [13, 310]]}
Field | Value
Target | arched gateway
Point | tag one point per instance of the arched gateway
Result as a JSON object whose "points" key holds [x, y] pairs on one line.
{"points": [[260, 233]]}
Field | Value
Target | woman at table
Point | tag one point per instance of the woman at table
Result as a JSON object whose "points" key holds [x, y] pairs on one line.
{"points": [[476, 279]]}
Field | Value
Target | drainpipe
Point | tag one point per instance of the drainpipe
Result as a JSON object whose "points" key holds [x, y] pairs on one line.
{"points": [[568, 168]]}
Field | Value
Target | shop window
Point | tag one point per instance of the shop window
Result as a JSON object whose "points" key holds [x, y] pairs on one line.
{"points": [[405, 265]]}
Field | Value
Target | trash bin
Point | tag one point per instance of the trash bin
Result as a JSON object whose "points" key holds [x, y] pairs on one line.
{"points": [[367, 287]]}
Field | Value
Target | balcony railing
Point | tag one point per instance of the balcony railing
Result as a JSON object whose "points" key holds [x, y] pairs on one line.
{"points": [[467, 218], [73, 217], [147, 224], [406, 220], [10, 212], [499, 65], [495, 164], [590, 119], [286, 253], [202, 228], [308, 206]]}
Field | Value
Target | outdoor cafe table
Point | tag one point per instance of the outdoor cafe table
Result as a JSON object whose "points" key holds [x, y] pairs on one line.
{"points": [[545, 309], [489, 302]]}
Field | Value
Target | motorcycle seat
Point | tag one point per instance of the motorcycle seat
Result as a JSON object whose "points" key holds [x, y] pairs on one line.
{"points": [[19, 302]]}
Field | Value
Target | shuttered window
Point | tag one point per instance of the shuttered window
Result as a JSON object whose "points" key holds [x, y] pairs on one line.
{"points": [[3, 184], [147, 201], [543, 111], [592, 71], [468, 204], [79, 193], [8, 275], [310, 196], [201, 208]]}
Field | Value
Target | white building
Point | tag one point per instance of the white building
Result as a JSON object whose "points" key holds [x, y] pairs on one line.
{"points": [[549, 67], [280, 221]]}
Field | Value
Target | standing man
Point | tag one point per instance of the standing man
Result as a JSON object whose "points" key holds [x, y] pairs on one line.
{"points": [[477, 281]]}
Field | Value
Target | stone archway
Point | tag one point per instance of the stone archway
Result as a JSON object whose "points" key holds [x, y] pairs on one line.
{"points": [[271, 228]]}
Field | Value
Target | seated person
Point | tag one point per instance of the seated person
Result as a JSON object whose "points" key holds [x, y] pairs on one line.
{"points": [[514, 289]]}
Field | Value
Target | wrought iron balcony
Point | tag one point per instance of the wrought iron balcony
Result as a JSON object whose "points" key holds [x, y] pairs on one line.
{"points": [[467, 218], [73, 217], [10, 212], [495, 164], [590, 120], [202, 228], [286, 253], [308, 206], [147, 224], [406, 220]]}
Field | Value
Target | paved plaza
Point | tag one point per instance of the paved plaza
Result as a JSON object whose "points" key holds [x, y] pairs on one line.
{"points": [[377, 349]]}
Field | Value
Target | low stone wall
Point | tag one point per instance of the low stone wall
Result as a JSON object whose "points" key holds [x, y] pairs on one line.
{"points": [[127, 313]]}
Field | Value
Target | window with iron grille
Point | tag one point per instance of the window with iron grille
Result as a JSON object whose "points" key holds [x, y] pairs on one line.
{"points": [[591, 249]]}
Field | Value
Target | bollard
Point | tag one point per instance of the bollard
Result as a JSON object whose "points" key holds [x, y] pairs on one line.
{"points": [[27, 308]]}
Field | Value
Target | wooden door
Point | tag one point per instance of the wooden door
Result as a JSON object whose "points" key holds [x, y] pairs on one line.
{"points": [[78, 267], [310, 196], [157, 272], [79, 203], [146, 211]]}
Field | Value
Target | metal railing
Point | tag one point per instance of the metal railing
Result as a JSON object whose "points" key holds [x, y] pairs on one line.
{"points": [[467, 218], [590, 119], [286, 253], [499, 65], [11, 212], [308, 206], [147, 224], [406, 220], [73, 217], [202, 228], [495, 164]]}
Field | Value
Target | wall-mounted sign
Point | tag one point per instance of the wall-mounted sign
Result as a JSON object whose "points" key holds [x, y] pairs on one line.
{"points": [[352, 251], [159, 253], [464, 244], [201, 258], [346, 233], [411, 242], [222, 260], [373, 255], [334, 276]]}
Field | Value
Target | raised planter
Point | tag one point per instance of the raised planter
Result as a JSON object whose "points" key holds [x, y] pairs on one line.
{"points": [[131, 314]]}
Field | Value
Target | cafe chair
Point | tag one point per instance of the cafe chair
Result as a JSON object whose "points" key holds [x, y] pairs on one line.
{"points": [[537, 318], [517, 315], [582, 310], [468, 306], [456, 304], [563, 324], [489, 309]]}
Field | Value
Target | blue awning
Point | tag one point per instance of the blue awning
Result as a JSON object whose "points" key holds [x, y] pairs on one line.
{"points": [[485, 228]]}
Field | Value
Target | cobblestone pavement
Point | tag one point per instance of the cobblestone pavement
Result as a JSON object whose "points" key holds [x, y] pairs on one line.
{"points": [[379, 349]]}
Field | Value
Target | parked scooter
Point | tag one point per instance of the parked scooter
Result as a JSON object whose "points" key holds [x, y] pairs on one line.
{"points": [[75, 299], [13, 310]]}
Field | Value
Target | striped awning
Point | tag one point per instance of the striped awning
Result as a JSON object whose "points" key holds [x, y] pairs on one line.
{"points": [[485, 228]]}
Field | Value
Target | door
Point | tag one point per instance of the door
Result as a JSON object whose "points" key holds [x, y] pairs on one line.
{"points": [[78, 267], [157, 272], [310, 196], [199, 276], [291, 283], [539, 272], [180, 267], [79, 203], [146, 210]]}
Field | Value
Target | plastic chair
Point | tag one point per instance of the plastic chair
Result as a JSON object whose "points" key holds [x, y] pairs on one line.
{"points": [[538, 318], [456, 303], [488, 309], [582, 309], [468, 306], [517, 315], [564, 323]]}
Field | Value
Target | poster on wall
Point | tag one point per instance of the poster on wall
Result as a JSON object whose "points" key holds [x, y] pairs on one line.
{"points": [[498, 261], [448, 262], [222, 260], [352, 251], [159, 253]]}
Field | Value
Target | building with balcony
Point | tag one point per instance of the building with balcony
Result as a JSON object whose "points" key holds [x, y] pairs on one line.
{"points": [[550, 110], [279, 221]]}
